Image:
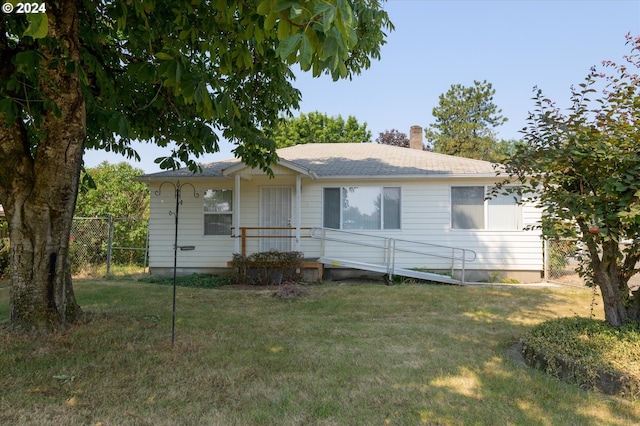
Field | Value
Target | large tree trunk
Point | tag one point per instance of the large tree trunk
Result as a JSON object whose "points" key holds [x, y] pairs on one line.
{"points": [[615, 312], [39, 175], [608, 275], [613, 284]]}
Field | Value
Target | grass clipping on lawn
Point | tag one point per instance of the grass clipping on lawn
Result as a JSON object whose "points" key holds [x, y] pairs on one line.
{"points": [[588, 352]]}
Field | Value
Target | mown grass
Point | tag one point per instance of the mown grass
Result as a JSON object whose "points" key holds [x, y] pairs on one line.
{"points": [[364, 354]]}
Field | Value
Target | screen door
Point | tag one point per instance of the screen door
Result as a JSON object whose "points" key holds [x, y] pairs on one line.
{"points": [[275, 212]]}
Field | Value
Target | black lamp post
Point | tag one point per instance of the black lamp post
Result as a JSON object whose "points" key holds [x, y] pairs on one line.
{"points": [[178, 195]]}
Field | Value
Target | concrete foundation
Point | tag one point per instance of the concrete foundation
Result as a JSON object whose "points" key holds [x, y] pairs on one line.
{"points": [[316, 273]]}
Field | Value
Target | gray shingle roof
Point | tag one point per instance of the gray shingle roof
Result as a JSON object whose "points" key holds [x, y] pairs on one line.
{"points": [[328, 160], [372, 159], [208, 170]]}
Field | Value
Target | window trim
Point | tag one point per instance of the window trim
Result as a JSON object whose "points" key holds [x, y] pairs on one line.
{"points": [[231, 212], [485, 227], [381, 188]]}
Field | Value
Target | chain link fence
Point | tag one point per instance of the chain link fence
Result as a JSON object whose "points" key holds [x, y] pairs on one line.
{"points": [[100, 241], [96, 243], [88, 243], [560, 261]]}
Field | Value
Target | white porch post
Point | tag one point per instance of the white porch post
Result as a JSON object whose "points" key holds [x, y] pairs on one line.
{"points": [[236, 209], [298, 209]]}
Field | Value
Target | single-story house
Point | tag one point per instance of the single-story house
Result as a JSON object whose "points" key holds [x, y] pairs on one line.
{"points": [[363, 206]]}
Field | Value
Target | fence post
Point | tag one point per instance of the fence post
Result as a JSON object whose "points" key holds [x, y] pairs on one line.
{"points": [[146, 249], [322, 242], [453, 261], [545, 260], [390, 249], [464, 265], [109, 243]]}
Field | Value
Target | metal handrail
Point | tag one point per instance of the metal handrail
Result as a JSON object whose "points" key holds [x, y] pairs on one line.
{"points": [[390, 246], [381, 245], [462, 257]]}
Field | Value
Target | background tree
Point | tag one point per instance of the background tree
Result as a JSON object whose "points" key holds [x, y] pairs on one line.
{"points": [[583, 168], [393, 137], [464, 122], [317, 127], [101, 74], [504, 149], [116, 193]]}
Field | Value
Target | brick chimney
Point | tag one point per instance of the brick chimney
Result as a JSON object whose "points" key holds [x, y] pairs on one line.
{"points": [[415, 138]]}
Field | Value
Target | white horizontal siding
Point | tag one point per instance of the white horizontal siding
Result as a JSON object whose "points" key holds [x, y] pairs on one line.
{"points": [[426, 217], [210, 251], [425, 212]]}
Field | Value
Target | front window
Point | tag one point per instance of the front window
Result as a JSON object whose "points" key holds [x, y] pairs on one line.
{"points": [[362, 207], [467, 207], [218, 211], [470, 210]]}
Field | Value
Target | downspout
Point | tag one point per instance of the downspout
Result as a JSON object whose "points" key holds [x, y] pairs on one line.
{"points": [[298, 209], [236, 221]]}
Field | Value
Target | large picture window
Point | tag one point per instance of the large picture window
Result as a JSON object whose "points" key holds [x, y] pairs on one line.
{"points": [[218, 211], [361, 207], [470, 210]]}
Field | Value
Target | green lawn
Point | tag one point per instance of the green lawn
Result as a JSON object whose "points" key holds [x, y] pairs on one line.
{"points": [[351, 354]]}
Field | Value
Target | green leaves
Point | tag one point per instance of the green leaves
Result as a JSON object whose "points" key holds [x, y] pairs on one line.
{"points": [[324, 35], [38, 25], [584, 167], [289, 45], [164, 56], [185, 72], [317, 127], [306, 53], [28, 60], [112, 189], [264, 7]]}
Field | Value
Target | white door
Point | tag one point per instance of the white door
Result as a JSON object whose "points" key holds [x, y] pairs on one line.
{"points": [[275, 212]]}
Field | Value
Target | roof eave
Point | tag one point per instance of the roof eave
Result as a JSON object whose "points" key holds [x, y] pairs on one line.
{"points": [[149, 179], [412, 177], [229, 171]]}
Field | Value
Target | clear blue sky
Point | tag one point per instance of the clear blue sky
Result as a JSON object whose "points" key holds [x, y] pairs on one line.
{"points": [[513, 44]]}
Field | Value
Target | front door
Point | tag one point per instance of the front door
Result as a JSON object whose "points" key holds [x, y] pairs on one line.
{"points": [[275, 212]]}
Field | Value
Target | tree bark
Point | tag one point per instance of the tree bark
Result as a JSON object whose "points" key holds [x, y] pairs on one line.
{"points": [[615, 312], [608, 276], [40, 168]]}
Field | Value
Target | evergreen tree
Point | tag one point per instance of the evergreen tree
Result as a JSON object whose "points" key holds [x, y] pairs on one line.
{"points": [[464, 121]]}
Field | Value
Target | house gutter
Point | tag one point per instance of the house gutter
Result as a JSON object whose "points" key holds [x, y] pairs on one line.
{"points": [[411, 177], [314, 176], [146, 178]]}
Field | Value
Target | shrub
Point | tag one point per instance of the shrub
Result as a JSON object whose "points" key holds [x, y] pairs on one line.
{"points": [[193, 280], [587, 352], [267, 267]]}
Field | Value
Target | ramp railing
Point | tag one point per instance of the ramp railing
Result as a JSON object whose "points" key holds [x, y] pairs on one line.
{"points": [[390, 247]]}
